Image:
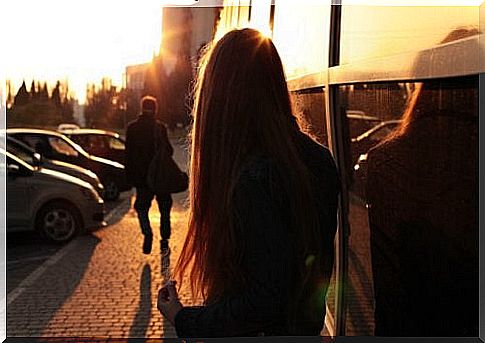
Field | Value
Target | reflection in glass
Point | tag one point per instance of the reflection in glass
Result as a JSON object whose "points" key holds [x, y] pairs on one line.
{"points": [[388, 30], [301, 31], [413, 209], [311, 106], [423, 211]]}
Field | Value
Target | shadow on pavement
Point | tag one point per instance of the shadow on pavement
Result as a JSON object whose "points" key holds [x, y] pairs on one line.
{"points": [[32, 310], [142, 319], [166, 272]]}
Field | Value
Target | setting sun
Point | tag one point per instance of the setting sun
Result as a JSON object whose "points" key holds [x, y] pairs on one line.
{"points": [[81, 41]]}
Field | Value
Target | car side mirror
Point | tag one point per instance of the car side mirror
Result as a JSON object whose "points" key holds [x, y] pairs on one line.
{"points": [[37, 159]]}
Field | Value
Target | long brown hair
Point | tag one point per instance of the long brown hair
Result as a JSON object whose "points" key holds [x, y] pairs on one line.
{"points": [[242, 106]]}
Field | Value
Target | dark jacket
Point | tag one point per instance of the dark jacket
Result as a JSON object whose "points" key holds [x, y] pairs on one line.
{"points": [[261, 212], [140, 147]]}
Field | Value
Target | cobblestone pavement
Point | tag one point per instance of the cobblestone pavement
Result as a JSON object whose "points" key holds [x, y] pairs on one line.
{"points": [[101, 285]]}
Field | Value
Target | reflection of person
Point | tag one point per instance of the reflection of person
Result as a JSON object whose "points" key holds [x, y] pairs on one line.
{"points": [[263, 202], [140, 149], [422, 191]]}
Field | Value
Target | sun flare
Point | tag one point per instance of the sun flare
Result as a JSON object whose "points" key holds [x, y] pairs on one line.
{"points": [[81, 41]]}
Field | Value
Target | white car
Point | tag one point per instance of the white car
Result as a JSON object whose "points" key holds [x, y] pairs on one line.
{"points": [[57, 205]]}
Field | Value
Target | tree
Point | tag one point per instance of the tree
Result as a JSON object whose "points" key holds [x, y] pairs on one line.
{"points": [[44, 93], [56, 95], [102, 105], [22, 98], [33, 92], [38, 110]]}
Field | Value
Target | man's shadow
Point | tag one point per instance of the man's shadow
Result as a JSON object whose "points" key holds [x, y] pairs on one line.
{"points": [[166, 272], [142, 319], [141, 322]]}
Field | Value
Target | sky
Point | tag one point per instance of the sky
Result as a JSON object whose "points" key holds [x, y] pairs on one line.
{"points": [[85, 40], [78, 40]]}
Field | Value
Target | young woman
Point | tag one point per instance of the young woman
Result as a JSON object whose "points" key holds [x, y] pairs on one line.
{"points": [[263, 203]]}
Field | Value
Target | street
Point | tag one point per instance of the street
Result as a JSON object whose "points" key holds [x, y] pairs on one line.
{"points": [[97, 285]]}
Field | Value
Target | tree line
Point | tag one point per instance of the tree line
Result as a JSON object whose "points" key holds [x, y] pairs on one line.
{"points": [[110, 107], [39, 107]]}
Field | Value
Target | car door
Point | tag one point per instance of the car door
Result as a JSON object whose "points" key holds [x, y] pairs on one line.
{"points": [[98, 146], [18, 194]]}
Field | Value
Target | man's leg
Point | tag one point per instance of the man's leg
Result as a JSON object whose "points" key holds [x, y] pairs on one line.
{"points": [[142, 205], [165, 205]]}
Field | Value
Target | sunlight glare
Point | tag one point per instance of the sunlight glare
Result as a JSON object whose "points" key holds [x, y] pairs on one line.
{"points": [[80, 41]]}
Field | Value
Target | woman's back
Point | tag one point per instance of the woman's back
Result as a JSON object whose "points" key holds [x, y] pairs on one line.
{"points": [[263, 199], [267, 246]]}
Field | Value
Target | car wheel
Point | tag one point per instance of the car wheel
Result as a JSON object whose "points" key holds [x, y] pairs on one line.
{"points": [[58, 222], [111, 189]]}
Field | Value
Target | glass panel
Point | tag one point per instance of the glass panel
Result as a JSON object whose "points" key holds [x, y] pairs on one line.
{"points": [[235, 14], [311, 106], [38, 143], [301, 31], [413, 209], [377, 31], [116, 144], [61, 147], [23, 154]]}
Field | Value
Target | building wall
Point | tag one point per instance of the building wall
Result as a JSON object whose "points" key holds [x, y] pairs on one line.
{"points": [[184, 31], [135, 76]]}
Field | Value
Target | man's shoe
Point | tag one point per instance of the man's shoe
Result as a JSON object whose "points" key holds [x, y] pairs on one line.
{"points": [[147, 244]]}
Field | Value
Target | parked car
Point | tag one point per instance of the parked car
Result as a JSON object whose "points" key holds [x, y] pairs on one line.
{"points": [[365, 141], [55, 204], [55, 146], [28, 155], [360, 121], [100, 143], [361, 146], [67, 127]]}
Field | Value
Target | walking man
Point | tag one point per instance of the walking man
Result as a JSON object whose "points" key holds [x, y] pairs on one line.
{"points": [[140, 149]]}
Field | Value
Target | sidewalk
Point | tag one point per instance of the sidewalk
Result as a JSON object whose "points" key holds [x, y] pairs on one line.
{"points": [[102, 286]]}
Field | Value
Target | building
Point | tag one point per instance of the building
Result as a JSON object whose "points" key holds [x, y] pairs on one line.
{"points": [[185, 30], [135, 76]]}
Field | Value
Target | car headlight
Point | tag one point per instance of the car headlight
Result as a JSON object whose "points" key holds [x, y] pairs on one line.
{"points": [[89, 193]]}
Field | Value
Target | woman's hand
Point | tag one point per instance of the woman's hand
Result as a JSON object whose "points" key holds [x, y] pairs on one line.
{"points": [[168, 302]]}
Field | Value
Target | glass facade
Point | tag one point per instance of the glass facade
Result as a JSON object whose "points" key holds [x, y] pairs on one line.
{"points": [[369, 32], [406, 143], [301, 31], [413, 208]]}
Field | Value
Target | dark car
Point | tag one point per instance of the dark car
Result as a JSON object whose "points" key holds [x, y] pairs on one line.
{"points": [[100, 143], [56, 146], [365, 141], [28, 155], [361, 145]]}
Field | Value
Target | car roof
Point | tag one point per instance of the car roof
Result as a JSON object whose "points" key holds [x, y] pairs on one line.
{"points": [[35, 131], [89, 132], [376, 128], [48, 132]]}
